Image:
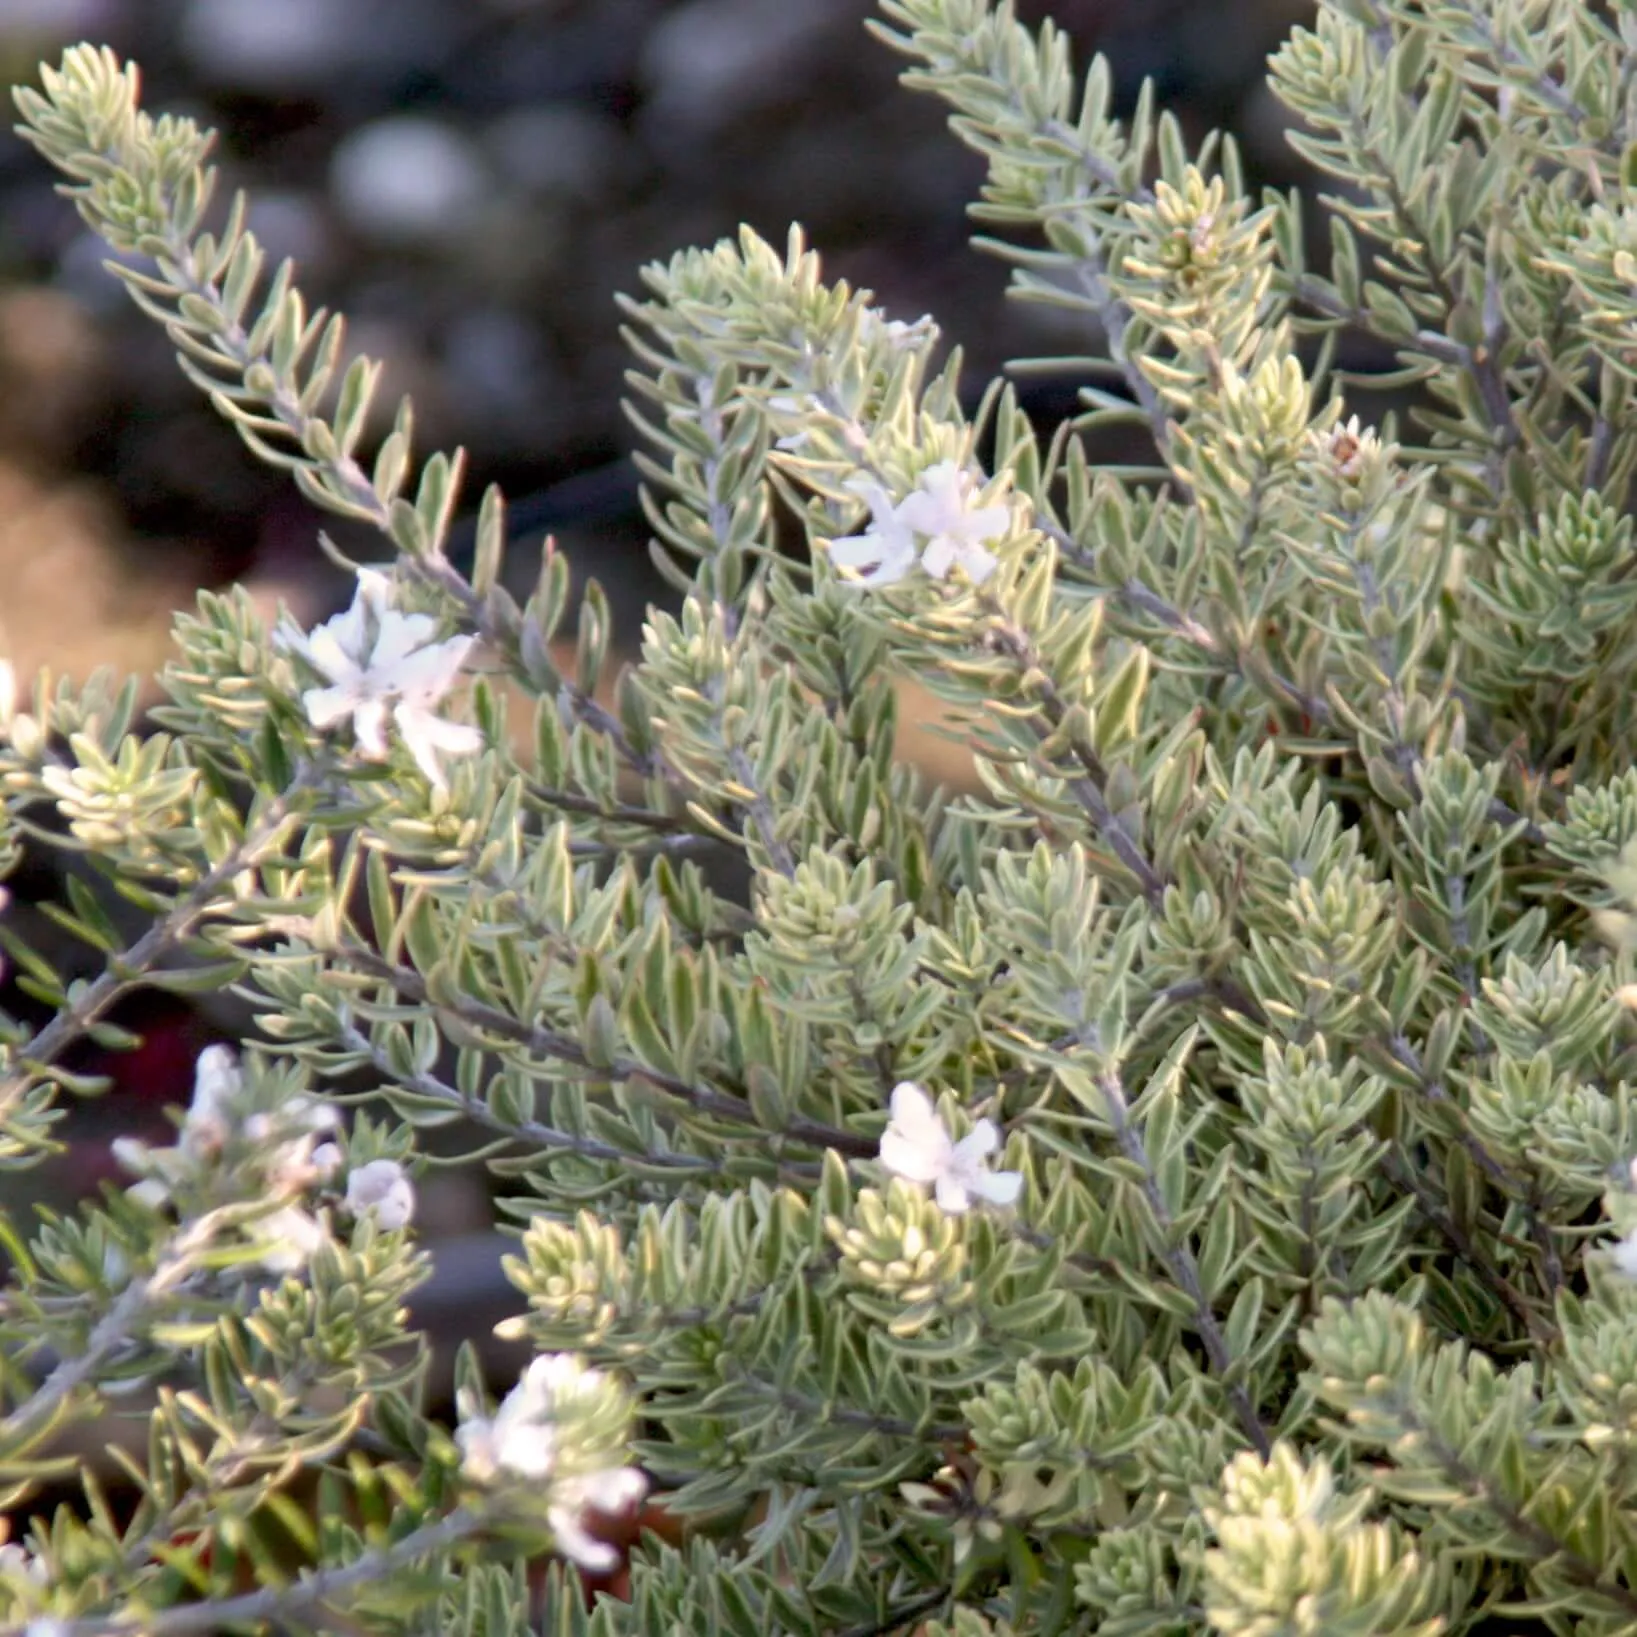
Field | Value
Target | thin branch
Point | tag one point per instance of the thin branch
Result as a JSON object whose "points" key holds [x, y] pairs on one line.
{"points": [[1143, 599], [305, 1596], [1581, 1572], [759, 813], [815, 1411], [495, 616], [552, 1043], [1180, 1263], [111, 1332], [1404, 1054], [124, 972], [1116, 317], [1555, 96], [1402, 1174], [1016, 643], [642, 818], [543, 1136]]}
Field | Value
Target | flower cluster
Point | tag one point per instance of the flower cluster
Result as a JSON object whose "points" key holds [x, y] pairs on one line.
{"points": [[276, 1146], [375, 657], [218, 1128], [380, 1189], [936, 521], [546, 1431], [917, 1146]]}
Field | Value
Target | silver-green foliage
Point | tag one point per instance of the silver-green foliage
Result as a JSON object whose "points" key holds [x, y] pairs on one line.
{"points": [[1282, 932]]}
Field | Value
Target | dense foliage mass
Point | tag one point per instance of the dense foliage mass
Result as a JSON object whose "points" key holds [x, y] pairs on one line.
{"points": [[1183, 1184]]}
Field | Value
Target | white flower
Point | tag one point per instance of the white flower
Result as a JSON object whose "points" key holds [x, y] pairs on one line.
{"points": [[614, 1490], [309, 1113], [917, 1146], [288, 1237], [520, 1436], [214, 1114], [216, 1086], [521, 1439], [941, 507], [1625, 1255], [150, 1192], [1350, 449], [283, 1154], [888, 544], [293, 1163], [382, 1188], [15, 1558], [290, 1167], [368, 673], [873, 325]]}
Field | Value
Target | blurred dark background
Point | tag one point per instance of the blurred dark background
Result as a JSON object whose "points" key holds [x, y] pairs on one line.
{"points": [[470, 181]]}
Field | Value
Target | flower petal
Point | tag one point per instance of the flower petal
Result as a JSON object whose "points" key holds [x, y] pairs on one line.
{"points": [[575, 1543], [216, 1081], [336, 649], [327, 706], [999, 1187], [977, 563], [912, 1108], [987, 522], [936, 505], [369, 724], [425, 734], [374, 591], [400, 635], [425, 676], [528, 1449], [383, 1190], [452, 738], [877, 559], [982, 1139], [617, 1489], [552, 1376], [939, 557], [856, 550], [910, 1160], [915, 1145]]}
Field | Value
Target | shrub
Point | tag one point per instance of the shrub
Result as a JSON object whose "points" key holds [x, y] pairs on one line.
{"points": [[1183, 1184]]}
